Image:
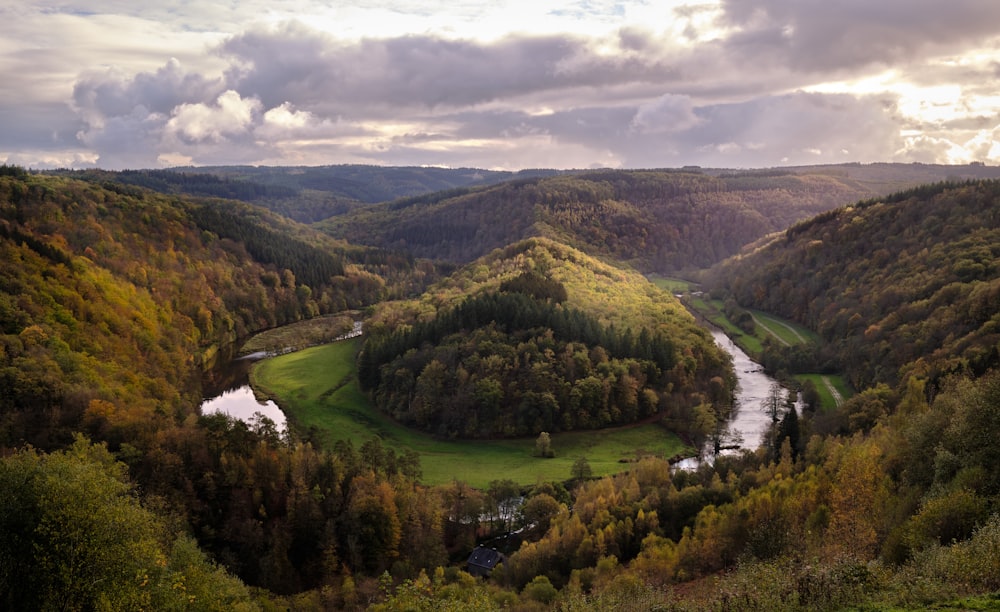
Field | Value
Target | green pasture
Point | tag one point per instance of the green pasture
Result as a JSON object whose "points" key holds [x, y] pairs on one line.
{"points": [[782, 329], [317, 388], [827, 399], [673, 285]]}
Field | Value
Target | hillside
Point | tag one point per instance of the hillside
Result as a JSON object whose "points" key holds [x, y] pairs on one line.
{"points": [[540, 337], [660, 221], [115, 493], [305, 193], [115, 296], [901, 285]]}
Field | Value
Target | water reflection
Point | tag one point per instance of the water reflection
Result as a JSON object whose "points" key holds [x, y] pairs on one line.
{"points": [[240, 403], [226, 390], [753, 386], [750, 420]]}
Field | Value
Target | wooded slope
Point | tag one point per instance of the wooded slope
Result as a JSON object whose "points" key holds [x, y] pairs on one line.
{"points": [[539, 337], [660, 221], [306, 193], [110, 299], [904, 284]]}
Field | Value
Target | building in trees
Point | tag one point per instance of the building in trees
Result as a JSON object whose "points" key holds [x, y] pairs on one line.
{"points": [[484, 560]]}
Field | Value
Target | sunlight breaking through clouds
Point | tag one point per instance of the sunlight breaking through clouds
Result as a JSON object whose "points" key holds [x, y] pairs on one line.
{"points": [[511, 84]]}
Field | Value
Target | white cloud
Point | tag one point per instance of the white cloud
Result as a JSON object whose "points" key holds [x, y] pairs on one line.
{"points": [[231, 116]]}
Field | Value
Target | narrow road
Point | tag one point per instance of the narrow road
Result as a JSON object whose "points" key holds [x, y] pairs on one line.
{"points": [[769, 330]]}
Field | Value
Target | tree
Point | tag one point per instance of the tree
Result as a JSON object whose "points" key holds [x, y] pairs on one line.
{"points": [[539, 510], [543, 446], [73, 536], [772, 403], [581, 469]]}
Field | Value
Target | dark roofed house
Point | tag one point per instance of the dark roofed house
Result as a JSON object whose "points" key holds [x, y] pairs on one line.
{"points": [[483, 560]]}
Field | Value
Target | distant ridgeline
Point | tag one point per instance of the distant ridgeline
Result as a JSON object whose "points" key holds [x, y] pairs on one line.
{"points": [[516, 357], [907, 284], [656, 220], [305, 194]]}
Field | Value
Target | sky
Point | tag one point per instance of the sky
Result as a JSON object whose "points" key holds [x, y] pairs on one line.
{"points": [[505, 84]]}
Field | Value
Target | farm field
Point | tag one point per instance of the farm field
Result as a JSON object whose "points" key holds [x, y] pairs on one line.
{"points": [[317, 389]]}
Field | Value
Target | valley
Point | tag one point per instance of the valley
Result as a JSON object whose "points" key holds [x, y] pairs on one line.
{"points": [[494, 312]]}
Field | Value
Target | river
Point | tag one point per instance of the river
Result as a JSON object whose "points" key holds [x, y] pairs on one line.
{"points": [[226, 388], [750, 420]]}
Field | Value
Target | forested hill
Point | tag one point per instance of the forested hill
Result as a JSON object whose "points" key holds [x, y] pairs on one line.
{"points": [[904, 284], [660, 221], [540, 337], [112, 297], [305, 193]]}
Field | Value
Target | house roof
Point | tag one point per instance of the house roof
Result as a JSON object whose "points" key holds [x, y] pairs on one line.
{"points": [[483, 560]]}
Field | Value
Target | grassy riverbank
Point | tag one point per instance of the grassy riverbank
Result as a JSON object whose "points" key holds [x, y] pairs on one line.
{"points": [[832, 388], [317, 389]]}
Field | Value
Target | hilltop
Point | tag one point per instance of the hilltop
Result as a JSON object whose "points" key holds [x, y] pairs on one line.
{"points": [[539, 337]]}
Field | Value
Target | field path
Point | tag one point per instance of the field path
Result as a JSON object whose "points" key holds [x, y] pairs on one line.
{"points": [[794, 331], [837, 397], [769, 330]]}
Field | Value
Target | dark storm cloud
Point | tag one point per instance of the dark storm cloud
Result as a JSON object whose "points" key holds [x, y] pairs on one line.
{"points": [[293, 62], [821, 35]]}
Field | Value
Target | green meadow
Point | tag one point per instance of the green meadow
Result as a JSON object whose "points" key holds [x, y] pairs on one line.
{"points": [[317, 389], [826, 386], [832, 388], [784, 330], [673, 285]]}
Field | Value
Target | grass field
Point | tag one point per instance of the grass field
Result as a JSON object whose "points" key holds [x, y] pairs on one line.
{"points": [[823, 382], [673, 285], [784, 330], [317, 388]]}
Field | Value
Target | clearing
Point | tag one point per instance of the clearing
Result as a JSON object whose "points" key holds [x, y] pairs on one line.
{"points": [[317, 389]]}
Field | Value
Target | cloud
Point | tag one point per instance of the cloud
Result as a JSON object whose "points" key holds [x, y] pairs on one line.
{"points": [[229, 118], [113, 92], [719, 82], [292, 62], [668, 113], [823, 36], [126, 141]]}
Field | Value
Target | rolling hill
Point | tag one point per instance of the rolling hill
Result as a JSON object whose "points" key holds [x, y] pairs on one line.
{"points": [[657, 221]]}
